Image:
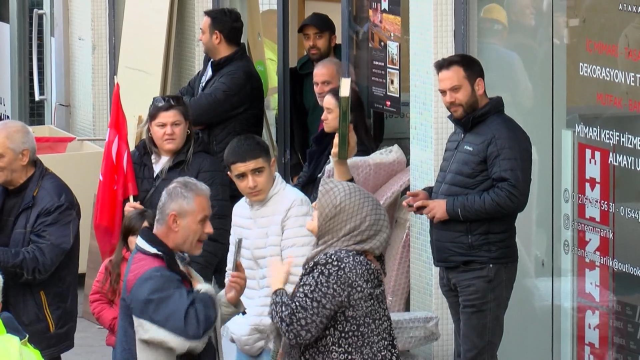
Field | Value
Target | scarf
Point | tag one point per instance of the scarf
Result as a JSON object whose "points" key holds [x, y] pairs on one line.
{"points": [[349, 218]]}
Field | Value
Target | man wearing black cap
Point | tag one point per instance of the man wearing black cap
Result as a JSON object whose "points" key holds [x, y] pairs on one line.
{"points": [[319, 38]]}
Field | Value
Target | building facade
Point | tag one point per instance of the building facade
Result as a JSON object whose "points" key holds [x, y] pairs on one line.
{"points": [[568, 71]]}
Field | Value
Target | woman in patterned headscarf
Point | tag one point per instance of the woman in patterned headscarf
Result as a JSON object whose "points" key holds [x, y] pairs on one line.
{"points": [[338, 309]]}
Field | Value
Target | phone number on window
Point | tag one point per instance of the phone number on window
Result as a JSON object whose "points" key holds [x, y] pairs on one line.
{"points": [[591, 202]]}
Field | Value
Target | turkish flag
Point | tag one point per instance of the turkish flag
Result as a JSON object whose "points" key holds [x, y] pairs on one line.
{"points": [[117, 180]]}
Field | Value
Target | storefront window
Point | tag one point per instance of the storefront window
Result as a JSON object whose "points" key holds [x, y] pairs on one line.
{"points": [[513, 40], [568, 72], [596, 127]]}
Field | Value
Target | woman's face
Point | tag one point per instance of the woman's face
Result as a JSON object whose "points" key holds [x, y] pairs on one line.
{"points": [[169, 132], [330, 116], [312, 225]]}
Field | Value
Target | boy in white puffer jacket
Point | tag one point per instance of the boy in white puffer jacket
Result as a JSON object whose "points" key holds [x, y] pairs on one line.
{"points": [[271, 221]]}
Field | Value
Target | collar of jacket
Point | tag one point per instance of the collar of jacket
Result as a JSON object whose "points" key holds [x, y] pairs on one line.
{"points": [[278, 185], [305, 65], [181, 156], [493, 107], [34, 185], [150, 244], [240, 52]]}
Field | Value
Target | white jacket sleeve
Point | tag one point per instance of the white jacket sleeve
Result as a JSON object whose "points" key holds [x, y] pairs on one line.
{"points": [[297, 242]]}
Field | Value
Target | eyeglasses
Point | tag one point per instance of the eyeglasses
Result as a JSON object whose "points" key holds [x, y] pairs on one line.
{"points": [[171, 99]]}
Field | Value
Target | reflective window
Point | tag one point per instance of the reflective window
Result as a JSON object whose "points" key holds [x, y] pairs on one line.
{"points": [[513, 40]]}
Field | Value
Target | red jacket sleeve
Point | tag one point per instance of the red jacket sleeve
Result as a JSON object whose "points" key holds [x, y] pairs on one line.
{"points": [[103, 309]]}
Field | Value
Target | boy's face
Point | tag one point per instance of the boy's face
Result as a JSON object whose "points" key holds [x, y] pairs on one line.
{"points": [[254, 178]]}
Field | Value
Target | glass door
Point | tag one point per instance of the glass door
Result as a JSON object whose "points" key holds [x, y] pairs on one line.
{"points": [[30, 61], [5, 63], [513, 41], [597, 134]]}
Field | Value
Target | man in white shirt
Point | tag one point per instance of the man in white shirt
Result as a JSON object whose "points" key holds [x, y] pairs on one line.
{"points": [[271, 221]]}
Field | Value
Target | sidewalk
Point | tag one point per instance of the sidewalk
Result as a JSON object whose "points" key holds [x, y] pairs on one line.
{"points": [[90, 341]]}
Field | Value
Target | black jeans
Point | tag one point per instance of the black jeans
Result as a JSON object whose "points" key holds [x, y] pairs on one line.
{"points": [[478, 296]]}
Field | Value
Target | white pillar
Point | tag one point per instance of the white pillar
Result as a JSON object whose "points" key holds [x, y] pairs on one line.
{"points": [[431, 31]]}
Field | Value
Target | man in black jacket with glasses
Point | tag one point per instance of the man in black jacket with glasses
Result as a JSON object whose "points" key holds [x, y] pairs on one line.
{"points": [[226, 97]]}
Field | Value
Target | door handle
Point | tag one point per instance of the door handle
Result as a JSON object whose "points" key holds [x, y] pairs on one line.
{"points": [[34, 54]]}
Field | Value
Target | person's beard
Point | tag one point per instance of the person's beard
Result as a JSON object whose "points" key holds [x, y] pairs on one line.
{"points": [[321, 55], [469, 107]]}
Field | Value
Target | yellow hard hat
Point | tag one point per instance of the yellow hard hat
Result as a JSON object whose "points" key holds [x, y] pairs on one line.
{"points": [[495, 12]]}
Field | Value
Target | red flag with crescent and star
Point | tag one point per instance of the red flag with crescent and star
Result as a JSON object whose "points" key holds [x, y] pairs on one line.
{"points": [[117, 180]]}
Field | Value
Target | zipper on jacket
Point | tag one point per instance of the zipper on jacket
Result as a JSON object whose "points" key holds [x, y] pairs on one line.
{"points": [[47, 313], [454, 155], [469, 234]]}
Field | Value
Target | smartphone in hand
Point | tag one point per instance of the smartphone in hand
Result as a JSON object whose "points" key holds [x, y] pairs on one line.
{"points": [[236, 255], [411, 206]]}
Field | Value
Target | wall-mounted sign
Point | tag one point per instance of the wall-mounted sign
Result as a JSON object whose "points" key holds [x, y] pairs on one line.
{"points": [[385, 34]]}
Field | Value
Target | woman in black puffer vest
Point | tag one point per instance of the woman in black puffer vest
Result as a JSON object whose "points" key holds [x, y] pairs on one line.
{"points": [[169, 151]]}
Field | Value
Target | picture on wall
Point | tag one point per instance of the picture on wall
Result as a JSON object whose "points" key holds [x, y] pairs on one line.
{"points": [[393, 54], [393, 79], [385, 35]]}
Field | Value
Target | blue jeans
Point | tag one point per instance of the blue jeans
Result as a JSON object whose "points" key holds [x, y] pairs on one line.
{"points": [[264, 355]]}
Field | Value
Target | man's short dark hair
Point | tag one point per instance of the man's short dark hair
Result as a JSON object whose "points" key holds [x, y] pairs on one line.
{"points": [[228, 22], [245, 148], [471, 66]]}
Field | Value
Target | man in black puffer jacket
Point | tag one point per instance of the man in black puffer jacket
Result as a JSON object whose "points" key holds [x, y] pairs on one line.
{"points": [[482, 186], [226, 97]]}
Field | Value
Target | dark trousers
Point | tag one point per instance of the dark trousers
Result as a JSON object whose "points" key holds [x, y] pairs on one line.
{"points": [[478, 296]]}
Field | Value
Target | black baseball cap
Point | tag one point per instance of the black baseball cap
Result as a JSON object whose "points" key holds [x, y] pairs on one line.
{"points": [[320, 21]]}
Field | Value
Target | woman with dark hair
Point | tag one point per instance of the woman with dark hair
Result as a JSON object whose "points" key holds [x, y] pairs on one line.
{"points": [[104, 298], [319, 154], [170, 150]]}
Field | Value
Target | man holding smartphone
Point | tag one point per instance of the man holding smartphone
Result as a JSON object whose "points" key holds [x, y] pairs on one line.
{"points": [[270, 221], [482, 186]]}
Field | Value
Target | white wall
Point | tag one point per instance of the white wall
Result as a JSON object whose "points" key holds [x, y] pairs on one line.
{"points": [[5, 73], [330, 8], [431, 31]]}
